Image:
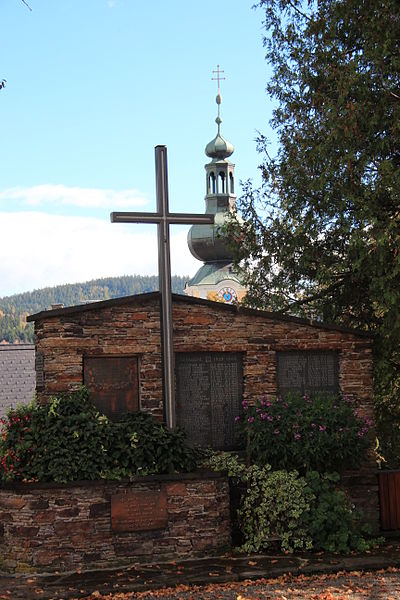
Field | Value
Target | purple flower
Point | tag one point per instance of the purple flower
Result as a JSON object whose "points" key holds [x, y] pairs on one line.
{"points": [[297, 436], [237, 419], [270, 418], [313, 425], [322, 428], [276, 431], [250, 419], [278, 417]]}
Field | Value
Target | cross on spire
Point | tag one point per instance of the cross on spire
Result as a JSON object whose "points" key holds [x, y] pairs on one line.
{"points": [[218, 78]]}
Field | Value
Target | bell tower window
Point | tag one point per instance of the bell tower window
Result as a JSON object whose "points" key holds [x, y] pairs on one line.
{"points": [[231, 184], [222, 179], [211, 183]]}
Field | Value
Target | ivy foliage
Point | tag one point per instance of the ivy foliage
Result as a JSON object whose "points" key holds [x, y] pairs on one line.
{"points": [[299, 512], [322, 235], [68, 440]]}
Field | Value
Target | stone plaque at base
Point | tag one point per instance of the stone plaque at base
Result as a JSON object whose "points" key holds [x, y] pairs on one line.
{"points": [[139, 511]]}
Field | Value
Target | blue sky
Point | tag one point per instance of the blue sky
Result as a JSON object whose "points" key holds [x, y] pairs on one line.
{"points": [[92, 87]]}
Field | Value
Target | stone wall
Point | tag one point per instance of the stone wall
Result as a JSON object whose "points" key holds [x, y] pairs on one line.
{"points": [[132, 326], [47, 527], [128, 326]]}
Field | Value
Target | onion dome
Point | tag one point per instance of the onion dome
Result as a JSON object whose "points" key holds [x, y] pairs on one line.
{"points": [[219, 147]]}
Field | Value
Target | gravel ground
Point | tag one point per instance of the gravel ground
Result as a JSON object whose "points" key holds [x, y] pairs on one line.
{"points": [[356, 585]]}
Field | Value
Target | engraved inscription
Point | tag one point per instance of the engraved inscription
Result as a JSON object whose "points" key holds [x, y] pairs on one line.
{"points": [[139, 511], [308, 372], [209, 394]]}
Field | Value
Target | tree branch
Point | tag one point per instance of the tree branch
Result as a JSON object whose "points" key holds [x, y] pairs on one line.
{"points": [[26, 4], [296, 303]]}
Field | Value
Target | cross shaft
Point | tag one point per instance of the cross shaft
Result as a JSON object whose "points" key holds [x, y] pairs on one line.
{"points": [[163, 218]]}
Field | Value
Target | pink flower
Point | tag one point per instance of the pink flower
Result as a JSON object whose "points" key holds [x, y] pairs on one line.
{"points": [[237, 419], [276, 432], [250, 419], [322, 428]]}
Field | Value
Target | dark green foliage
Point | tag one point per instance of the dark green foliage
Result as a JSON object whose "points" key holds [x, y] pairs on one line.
{"points": [[322, 235], [140, 445], [297, 512], [14, 309], [332, 523], [69, 440], [319, 432]]}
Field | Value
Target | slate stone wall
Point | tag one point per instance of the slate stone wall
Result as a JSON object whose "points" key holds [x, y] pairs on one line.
{"points": [[46, 527], [132, 326], [123, 329]]}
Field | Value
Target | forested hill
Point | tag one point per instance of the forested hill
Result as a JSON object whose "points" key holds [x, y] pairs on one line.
{"points": [[14, 309]]}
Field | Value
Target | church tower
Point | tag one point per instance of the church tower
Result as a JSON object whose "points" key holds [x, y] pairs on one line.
{"points": [[216, 280]]}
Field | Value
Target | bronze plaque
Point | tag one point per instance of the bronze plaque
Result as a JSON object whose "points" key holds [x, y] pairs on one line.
{"points": [[113, 383], [209, 389], [139, 511], [307, 372]]}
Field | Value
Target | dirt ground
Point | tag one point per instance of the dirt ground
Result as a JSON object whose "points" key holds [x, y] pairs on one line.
{"points": [[356, 585]]}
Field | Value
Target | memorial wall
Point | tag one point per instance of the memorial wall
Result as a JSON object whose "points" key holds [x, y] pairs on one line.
{"points": [[224, 354]]}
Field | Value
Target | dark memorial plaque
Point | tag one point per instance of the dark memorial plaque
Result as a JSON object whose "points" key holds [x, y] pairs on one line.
{"points": [[307, 372], [139, 511], [209, 388], [113, 383]]}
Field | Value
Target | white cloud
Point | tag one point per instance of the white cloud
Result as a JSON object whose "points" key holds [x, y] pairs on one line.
{"points": [[39, 250], [40, 195]]}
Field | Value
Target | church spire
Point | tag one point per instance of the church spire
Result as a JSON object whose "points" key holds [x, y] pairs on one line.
{"points": [[216, 279], [219, 148]]}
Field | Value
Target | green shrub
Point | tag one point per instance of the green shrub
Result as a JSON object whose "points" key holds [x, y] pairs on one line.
{"points": [[387, 414], [68, 440], [332, 523], [140, 445], [64, 440], [273, 505], [303, 512], [319, 433]]}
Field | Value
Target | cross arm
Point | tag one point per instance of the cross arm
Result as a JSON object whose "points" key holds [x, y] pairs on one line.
{"points": [[189, 219], [170, 218], [134, 217]]}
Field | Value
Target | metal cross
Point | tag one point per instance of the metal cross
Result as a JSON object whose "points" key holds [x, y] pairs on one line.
{"points": [[218, 78], [164, 219]]}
